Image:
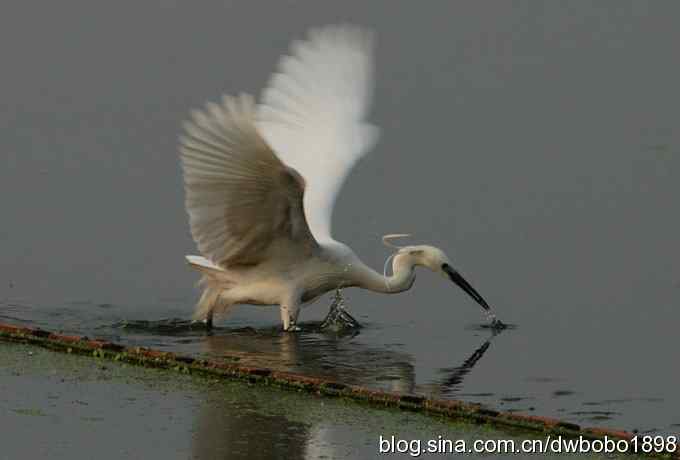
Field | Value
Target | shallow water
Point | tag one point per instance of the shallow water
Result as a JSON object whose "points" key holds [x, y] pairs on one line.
{"points": [[75, 407], [537, 143], [488, 371]]}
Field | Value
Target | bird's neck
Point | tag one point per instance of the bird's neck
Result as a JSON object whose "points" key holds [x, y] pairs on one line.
{"points": [[402, 278]]}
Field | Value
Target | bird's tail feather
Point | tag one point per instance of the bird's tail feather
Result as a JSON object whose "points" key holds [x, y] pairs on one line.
{"points": [[215, 282], [204, 265]]}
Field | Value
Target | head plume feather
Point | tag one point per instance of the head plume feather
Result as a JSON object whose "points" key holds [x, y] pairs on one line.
{"points": [[387, 239]]}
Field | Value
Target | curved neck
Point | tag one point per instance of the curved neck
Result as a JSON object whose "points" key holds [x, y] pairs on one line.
{"points": [[402, 278]]}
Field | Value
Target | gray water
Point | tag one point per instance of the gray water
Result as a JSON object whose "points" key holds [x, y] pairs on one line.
{"points": [[75, 407], [537, 143]]}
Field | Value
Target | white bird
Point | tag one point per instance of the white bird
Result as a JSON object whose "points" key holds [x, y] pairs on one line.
{"points": [[261, 182]]}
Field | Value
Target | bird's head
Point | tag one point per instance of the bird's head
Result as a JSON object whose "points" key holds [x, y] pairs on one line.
{"points": [[435, 259]]}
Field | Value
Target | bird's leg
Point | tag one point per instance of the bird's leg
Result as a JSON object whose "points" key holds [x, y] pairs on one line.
{"points": [[332, 316], [209, 320], [206, 306], [338, 315], [289, 316]]}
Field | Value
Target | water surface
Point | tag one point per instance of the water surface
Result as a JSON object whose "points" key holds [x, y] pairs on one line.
{"points": [[537, 143], [76, 407]]}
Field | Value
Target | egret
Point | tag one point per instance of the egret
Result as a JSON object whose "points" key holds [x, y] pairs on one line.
{"points": [[261, 181]]}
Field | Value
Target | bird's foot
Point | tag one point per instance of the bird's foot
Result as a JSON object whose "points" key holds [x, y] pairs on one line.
{"points": [[338, 317], [207, 322], [293, 328]]}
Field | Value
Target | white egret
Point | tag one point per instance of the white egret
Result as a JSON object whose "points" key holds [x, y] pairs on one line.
{"points": [[261, 182]]}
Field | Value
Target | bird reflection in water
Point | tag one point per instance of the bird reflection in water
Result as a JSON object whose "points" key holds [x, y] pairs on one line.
{"points": [[243, 430], [337, 357]]}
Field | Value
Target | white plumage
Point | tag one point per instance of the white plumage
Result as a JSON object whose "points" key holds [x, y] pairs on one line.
{"points": [[313, 111], [261, 182]]}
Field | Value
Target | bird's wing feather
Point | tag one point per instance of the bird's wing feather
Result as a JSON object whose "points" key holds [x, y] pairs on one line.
{"points": [[240, 197], [312, 114]]}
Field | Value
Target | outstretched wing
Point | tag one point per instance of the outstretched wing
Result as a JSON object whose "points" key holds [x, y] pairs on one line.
{"points": [[240, 197], [312, 114]]}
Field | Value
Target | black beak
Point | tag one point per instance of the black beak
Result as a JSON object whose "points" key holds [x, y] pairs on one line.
{"points": [[465, 286]]}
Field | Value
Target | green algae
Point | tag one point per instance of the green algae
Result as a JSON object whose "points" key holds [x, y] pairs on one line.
{"points": [[115, 405]]}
